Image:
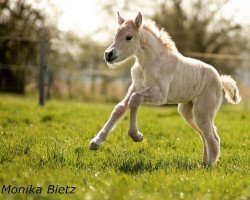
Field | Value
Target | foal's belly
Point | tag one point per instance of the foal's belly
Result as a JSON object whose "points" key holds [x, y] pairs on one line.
{"points": [[175, 98], [184, 91]]}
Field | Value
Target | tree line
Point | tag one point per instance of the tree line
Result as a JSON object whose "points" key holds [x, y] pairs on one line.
{"points": [[198, 28]]}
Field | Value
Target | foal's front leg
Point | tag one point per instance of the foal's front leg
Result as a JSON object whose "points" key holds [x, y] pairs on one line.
{"points": [[150, 94], [116, 114]]}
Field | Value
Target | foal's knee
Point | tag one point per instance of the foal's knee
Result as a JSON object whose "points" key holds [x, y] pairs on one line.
{"points": [[135, 100], [119, 109]]}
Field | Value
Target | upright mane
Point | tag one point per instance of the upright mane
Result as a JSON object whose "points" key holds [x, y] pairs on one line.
{"points": [[161, 34]]}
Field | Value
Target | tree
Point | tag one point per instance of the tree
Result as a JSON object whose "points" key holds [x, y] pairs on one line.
{"points": [[20, 25], [201, 28]]}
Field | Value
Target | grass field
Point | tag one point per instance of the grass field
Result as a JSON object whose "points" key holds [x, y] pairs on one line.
{"points": [[43, 146]]}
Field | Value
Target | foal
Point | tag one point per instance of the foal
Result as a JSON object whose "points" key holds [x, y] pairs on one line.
{"points": [[162, 75]]}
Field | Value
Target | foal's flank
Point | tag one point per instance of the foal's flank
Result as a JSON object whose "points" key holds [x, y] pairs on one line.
{"points": [[163, 75]]}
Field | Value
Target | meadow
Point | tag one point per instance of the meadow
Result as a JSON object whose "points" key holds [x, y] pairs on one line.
{"points": [[41, 146]]}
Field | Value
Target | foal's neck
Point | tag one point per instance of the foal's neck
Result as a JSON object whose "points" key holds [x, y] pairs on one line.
{"points": [[150, 48]]}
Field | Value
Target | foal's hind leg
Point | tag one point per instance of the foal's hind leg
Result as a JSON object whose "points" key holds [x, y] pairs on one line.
{"points": [[185, 109], [204, 112]]}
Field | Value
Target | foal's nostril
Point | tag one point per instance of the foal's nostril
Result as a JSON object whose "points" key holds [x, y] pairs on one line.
{"points": [[110, 54]]}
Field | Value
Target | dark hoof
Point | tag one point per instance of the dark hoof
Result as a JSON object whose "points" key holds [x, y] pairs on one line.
{"points": [[93, 146], [137, 139]]}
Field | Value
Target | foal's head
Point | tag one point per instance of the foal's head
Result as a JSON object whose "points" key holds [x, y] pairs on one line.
{"points": [[126, 41]]}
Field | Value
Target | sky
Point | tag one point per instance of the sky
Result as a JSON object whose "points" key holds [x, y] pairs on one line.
{"points": [[86, 16], [79, 15]]}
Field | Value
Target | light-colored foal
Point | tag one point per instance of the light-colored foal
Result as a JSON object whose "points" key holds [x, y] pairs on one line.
{"points": [[162, 75]]}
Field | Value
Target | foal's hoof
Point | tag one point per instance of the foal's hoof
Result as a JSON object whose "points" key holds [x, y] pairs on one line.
{"points": [[136, 138], [209, 165], [93, 146]]}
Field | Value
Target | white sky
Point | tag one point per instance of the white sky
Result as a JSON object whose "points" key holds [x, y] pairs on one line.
{"points": [[86, 16], [79, 15]]}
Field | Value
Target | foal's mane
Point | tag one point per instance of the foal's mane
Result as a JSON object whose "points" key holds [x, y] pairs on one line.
{"points": [[161, 34]]}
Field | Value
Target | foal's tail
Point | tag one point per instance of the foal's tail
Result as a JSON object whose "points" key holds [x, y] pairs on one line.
{"points": [[231, 89]]}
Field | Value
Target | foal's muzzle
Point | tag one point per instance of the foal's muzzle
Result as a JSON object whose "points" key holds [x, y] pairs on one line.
{"points": [[109, 55]]}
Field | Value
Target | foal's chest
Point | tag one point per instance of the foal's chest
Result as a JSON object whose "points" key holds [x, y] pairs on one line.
{"points": [[139, 78]]}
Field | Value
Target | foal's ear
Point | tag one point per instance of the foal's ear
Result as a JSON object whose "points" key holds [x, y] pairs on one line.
{"points": [[120, 19], [138, 20]]}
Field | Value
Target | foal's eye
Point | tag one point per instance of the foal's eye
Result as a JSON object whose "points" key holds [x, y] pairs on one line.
{"points": [[129, 37]]}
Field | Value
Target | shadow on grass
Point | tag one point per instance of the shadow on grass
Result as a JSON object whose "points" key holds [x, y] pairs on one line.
{"points": [[46, 118], [126, 162], [129, 165]]}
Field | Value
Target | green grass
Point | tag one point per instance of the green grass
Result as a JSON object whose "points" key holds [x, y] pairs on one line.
{"points": [[42, 146]]}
